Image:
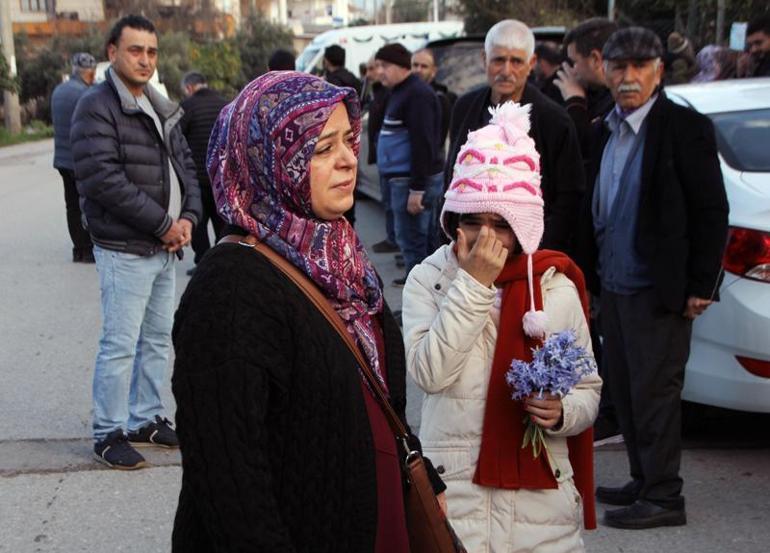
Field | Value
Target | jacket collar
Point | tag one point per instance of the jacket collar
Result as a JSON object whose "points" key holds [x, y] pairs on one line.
{"points": [[444, 260], [164, 107], [652, 141]]}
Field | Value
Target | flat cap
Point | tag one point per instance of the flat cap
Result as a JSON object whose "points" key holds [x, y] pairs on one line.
{"points": [[83, 60], [633, 43]]}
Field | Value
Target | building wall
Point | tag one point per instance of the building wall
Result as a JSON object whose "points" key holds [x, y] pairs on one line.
{"points": [[36, 11], [28, 11], [318, 12], [87, 10]]}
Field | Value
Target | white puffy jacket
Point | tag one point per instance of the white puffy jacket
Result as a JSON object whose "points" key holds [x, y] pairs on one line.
{"points": [[450, 330]]}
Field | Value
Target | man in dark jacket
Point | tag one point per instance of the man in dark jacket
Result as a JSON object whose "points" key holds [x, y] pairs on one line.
{"points": [[141, 200], [581, 81], [409, 155], [424, 66], [651, 242], [201, 108], [758, 45], [509, 58], [549, 60], [588, 101], [63, 101], [334, 69]]}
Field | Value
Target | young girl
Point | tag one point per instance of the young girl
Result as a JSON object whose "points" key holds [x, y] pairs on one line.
{"points": [[468, 311]]}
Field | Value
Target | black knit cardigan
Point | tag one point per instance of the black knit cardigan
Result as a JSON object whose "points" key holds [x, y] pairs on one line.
{"points": [[277, 451]]}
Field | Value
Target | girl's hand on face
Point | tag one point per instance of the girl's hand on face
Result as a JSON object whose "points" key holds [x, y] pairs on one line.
{"points": [[485, 260], [545, 412]]}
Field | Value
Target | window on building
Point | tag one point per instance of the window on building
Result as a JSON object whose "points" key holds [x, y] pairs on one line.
{"points": [[34, 5]]}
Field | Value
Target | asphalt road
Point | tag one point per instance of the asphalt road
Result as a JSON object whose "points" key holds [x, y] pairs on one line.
{"points": [[54, 498]]}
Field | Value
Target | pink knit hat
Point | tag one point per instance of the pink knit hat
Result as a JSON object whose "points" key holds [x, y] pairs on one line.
{"points": [[498, 171]]}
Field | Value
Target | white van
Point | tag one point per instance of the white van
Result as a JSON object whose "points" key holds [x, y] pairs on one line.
{"points": [[361, 43]]}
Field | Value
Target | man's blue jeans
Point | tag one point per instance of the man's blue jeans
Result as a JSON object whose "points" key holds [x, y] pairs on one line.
{"points": [[413, 232], [137, 316], [390, 229]]}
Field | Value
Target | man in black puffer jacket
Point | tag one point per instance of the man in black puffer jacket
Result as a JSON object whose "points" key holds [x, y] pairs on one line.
{"points": [[141, 200]]}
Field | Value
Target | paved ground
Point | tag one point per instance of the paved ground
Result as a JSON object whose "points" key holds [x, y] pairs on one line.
{"points": [[54, 498]]}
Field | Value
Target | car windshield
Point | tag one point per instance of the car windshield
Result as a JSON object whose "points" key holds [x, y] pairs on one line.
{"points": [[743, 138], [459, 66]]}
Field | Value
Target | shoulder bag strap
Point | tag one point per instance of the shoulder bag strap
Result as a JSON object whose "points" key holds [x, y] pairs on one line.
{"points": [[322, 304]]}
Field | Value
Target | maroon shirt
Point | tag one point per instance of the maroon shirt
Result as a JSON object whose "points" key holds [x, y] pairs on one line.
{"points": [[392, 536]]}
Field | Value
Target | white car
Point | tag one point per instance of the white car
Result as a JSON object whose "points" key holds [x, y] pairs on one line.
{"points": [[729, 362]]}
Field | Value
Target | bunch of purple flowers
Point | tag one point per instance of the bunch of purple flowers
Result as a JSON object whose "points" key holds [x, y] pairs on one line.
{"points": [[556, 367]]}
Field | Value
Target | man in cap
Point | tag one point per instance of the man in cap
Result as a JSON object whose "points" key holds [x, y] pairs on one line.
{"points": [[509, 57], [409, 156], [63, 101], [655, 225]]}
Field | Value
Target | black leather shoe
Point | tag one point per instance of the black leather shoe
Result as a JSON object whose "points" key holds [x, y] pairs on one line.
{"points": [[643, 514], [625, 495]]}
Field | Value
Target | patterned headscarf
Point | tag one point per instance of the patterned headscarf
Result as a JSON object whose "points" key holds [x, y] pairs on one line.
{"points": [[259, 163]]}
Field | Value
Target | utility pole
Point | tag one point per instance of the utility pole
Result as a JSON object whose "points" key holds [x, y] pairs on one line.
{"points": [[720, 30], [10, 99], [611, 10]]}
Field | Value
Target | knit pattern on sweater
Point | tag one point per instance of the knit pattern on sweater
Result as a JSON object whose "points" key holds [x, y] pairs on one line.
{"points": [[276, 444]]}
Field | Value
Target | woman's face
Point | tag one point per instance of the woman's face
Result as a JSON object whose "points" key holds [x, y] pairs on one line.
{"points": [[471, 224], [333, 168]]}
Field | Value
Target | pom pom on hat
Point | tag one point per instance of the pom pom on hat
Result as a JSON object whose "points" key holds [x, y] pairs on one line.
{"points": [[535, 322]]}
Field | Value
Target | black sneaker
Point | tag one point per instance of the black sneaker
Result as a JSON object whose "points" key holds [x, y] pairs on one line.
{"points": [[158, 433], [399, 282], [385, 246], [115, 452]]}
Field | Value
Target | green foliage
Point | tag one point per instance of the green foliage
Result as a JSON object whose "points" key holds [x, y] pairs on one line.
{"points": [[174, 60], [220, 62], [480, 15], [36, 130], [92, 42], [39, 73], [6, 81], [256, 40], [405, 11]]}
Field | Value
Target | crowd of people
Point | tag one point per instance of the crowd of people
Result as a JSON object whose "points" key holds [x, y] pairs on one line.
{"points": [[567, 194]]}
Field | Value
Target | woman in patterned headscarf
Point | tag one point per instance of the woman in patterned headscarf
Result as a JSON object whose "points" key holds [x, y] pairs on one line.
{"points": [[284, 447]]}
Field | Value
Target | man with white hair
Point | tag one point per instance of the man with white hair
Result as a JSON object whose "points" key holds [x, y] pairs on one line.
{"points": [[653, 230], [509, 58]]}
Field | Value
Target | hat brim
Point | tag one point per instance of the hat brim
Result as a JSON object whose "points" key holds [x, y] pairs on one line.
{"points": [[525, 215]]}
